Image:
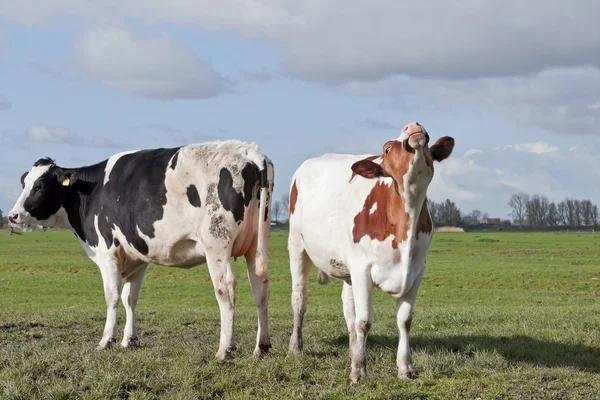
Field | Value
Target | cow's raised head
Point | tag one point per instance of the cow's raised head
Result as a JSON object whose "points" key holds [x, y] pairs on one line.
{"points": [[407, 159], [43, 193]]}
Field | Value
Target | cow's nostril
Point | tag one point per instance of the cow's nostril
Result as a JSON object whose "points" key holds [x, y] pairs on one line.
{"points": [[13, 217]]}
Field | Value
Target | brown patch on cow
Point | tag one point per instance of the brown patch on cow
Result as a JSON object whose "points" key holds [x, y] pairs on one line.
{"points": [[293, 197], [127, 265], [389, 218], [424, 224]]}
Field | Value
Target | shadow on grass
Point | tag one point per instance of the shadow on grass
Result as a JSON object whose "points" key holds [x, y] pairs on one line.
{"points": [[515, 349]]}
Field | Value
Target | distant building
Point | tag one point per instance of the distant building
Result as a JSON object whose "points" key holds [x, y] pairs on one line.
{"points": [[494, 221]]}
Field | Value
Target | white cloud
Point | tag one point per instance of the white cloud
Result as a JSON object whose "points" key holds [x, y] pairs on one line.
{"points": [[156, 67], [58, 135], [536, 148], [471, 152]]}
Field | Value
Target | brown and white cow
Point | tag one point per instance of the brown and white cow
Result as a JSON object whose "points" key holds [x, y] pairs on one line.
{"points": [[365, 220]]}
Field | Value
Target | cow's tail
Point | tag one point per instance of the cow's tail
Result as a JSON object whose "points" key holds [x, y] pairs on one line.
{"points": [[267, 183]]}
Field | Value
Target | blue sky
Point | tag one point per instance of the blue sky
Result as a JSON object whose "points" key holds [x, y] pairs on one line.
{"points": [[517, 87]]}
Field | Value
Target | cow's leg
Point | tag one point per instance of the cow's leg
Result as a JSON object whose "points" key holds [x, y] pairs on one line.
{"points": [[260, 290], [404, 308], [129, 296], [219, 266], [111, 278], [350, 315], [300, 265], [362, 288]]}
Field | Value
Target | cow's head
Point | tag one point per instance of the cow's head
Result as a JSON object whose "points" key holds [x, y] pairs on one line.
{"points": [[43, 193], [407, 159]]}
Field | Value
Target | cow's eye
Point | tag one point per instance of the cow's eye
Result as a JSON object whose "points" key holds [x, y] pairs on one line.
{"points": [[387, 150]]}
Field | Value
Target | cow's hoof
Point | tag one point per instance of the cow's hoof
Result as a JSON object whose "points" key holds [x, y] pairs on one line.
{"points": [[357, 374], [262, 349], [408, 375], [296, 347], [131, 343], [224, 355], [106, 344]]}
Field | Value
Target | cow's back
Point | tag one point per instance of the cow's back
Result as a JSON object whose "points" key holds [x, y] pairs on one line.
{"points": [[163, 204]]}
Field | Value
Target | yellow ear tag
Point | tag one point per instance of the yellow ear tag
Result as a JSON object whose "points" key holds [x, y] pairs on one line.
{"points": [[66, 182]]}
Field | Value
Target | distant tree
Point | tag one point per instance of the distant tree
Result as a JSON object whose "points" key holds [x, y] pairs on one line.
{"points": [[450, 213], [571, 211], [595, 215], [587, 212], [1, 219], [536, 210], [563, 213], [552, 218], [518, 204], [476, 216], [578, 210], [485, 217], [285, 202], [277, 210], [435, 211]]}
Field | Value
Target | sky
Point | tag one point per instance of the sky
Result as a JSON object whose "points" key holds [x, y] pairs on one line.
{"points": [[517, 84]]}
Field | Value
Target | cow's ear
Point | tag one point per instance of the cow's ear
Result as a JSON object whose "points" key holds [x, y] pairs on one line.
{"points": [[442, 148], [368, 169], [67, 178]]}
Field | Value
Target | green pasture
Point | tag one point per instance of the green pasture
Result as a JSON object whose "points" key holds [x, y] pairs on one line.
{"points": [[498, 316]]}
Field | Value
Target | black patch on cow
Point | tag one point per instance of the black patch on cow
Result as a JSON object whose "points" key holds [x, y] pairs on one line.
{"points": [[116, 242], [133, 197], [193, 196], [229, 197], [266, 213], [23, 179], [250, 175], [43, 162], [174, 160]]}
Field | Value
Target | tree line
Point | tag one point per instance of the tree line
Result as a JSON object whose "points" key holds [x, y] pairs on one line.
{"points": [[538, 211]]}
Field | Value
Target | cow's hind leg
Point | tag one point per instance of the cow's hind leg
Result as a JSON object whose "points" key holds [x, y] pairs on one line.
{"points": [[111, 279], [300, 264], [221, 274], [129, 296], [260, 290]]}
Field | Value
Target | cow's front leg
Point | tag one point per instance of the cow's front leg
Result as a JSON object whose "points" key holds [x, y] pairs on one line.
{"points": [[362, 289], [349, 315], [129, 296], [219, 265], [404, 308], [111, 278]]}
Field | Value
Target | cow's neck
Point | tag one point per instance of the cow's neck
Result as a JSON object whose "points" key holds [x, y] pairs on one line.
{"points": [[76, 199], [413, 201]]}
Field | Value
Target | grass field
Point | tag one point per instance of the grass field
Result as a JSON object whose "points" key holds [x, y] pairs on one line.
{"points": [[498, 316]]}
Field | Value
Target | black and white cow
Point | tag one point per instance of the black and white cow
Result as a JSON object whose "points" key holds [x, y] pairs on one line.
{"points": [[178, 207]]}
